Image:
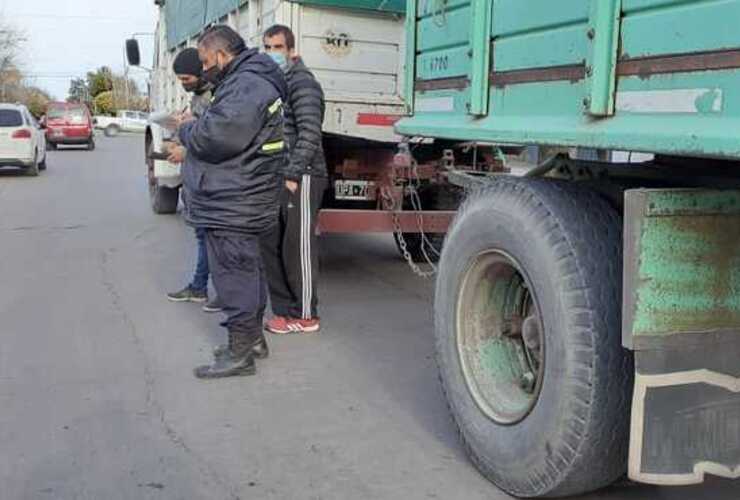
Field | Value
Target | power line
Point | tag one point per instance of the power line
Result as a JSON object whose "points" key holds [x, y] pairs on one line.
{"points": [[91, 18]]}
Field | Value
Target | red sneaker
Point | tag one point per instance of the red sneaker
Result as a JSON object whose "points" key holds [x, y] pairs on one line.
{"points": [[281, 325]]}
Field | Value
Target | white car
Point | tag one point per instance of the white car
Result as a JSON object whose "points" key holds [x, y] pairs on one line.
{"points": [[124, 121], [22, 140]]}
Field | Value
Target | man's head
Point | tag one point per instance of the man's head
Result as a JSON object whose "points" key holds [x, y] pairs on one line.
{"points": [[217, 47], [279, 43], [188, 69]]}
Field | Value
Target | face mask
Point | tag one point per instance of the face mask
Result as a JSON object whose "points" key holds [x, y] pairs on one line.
{"points": [[279, 59], [192, 87], [213, 75]]}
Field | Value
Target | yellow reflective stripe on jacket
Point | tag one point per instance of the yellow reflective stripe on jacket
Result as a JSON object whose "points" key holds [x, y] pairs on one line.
{"points": [[275, 106], [273, 146]]}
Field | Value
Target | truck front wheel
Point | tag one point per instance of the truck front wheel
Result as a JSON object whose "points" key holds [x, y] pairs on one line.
{"points": [[528, 337], [163, 199]]}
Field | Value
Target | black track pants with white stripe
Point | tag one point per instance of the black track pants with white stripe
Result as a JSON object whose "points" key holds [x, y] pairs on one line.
{"points": [[290, 251]]}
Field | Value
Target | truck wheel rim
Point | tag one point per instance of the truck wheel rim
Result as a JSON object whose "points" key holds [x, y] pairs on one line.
{"points": [[500, 338]]}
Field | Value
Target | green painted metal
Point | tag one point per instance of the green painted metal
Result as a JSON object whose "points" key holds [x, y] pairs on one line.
{"points": [[691, 113], [445, 63], [525, 33], [444, 32], [480, 53], [677, 26], [395, 6], [534, 50], [601, 65], [410, 59], [186, 18], [682, 263]]}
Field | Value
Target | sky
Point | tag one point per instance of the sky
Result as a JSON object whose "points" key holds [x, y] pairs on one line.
{"points": [[68, 38]]}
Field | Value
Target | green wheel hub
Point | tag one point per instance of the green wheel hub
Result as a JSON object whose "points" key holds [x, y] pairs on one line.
{"points": [[500, 337]]}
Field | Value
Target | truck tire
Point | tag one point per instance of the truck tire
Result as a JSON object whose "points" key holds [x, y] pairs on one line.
{"points": [[164, 199], [112, 130], [528, 337], [91, 144], [437, 197]]}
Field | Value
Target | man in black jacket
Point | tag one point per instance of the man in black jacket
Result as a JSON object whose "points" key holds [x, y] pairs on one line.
{"points": [[232, 179], [290, 249]]}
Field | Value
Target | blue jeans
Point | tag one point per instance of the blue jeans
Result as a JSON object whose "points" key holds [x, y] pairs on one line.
{"points": [[200, 278]]}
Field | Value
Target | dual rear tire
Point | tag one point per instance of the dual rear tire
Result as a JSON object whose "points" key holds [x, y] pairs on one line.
{"points": [[528, 337]]}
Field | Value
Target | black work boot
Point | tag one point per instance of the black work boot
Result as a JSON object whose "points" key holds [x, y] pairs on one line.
{"points": [[260, 349], [238, 359]]}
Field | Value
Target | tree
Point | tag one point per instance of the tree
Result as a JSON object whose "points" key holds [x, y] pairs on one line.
{"points": [[79, 91], [103, 103], [36, 100], [100, 81], [11, 42]]}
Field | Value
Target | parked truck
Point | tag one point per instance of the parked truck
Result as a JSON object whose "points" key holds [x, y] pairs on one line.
{"points": [[355, 49], [588, 312]]}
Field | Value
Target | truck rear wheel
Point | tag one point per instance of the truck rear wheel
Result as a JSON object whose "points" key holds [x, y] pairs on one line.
{"points": [[528, 337]]}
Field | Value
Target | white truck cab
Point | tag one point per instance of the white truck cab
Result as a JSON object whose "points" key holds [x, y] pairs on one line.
{"points": [[354, 48]]}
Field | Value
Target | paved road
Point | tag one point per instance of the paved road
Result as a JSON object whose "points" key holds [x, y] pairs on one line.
{"points": [[97, 400]]}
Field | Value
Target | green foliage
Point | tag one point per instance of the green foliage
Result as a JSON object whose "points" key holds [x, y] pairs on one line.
{"points": [[100, 81], [103, 104], [78, 91], [36, 100]]}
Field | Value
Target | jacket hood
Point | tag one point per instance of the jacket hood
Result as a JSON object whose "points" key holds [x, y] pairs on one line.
{"points": [[252, 61]]}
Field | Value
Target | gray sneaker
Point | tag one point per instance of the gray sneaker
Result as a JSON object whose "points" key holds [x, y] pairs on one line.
{"points": [[188, 294], [213, 306]]}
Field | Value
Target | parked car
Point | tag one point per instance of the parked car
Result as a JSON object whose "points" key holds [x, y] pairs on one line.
{"points": [[124, 121], [68, 124], [22, 140]]}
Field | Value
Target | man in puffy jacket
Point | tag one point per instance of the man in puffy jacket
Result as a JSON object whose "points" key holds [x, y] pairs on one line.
{"points": [[232, 180], [290, 250]]}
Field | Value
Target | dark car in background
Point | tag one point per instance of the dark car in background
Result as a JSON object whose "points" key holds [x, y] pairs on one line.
{"points": [[69, 124]]}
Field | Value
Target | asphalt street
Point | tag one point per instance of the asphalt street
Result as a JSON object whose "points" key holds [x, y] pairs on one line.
{"points": [[97, 396]]}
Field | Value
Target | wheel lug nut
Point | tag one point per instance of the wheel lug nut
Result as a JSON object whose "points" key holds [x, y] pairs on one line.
{"points": [[528, 382]]}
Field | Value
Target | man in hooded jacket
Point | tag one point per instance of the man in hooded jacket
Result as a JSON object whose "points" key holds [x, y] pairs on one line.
{"points": [[232, 180]]}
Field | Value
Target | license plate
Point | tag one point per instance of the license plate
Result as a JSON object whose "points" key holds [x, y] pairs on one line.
{"points": [[355, 190]]}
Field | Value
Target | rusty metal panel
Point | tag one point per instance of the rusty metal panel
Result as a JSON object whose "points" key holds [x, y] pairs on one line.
{"points": [[681, 316], [682, 264], [381, 221]]}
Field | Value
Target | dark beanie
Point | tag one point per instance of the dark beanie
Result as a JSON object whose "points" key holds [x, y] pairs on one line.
{"points": [[187, 62]]}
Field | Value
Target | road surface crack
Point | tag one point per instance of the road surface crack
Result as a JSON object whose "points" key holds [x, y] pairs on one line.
{"points": [[151, 401], [71, 227]]}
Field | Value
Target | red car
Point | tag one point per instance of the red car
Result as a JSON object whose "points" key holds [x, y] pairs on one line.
{"points": [[69, 123]]}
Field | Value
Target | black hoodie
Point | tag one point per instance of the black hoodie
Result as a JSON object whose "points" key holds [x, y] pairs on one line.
{"points": [[232, 175]]}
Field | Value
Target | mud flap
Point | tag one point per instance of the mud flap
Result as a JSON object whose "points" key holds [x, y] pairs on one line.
{"points": [[682, 319]]}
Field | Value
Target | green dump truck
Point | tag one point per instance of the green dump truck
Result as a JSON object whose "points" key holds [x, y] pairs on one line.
{"points": [[587, 311]]}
